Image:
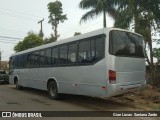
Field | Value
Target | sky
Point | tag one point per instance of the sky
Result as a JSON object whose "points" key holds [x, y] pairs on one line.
{"points": [[18, 17]]}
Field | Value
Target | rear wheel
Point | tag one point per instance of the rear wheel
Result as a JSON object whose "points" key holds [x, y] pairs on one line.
{"points": [[53, 90], [18, 87]]}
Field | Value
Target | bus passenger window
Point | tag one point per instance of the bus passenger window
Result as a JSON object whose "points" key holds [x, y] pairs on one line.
{"points": [[93, 52], [48, 57], [28, 60], [42, 58], [99, 48], [84, 55], [55, 56], [72, 50], [63, 54]]}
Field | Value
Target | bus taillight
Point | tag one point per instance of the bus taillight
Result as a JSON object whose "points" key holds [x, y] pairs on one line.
{"points": [[112, 77]]}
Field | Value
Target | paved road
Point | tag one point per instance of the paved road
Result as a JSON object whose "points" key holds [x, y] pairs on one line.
{"points": [[36, 100]]}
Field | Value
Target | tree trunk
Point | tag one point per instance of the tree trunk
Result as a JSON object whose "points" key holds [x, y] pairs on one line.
{"points": [[104, 13], [136, 24], [55, 31], [104, 18], [152, 67]]}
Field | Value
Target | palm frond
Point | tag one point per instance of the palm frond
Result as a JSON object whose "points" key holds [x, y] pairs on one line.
{"points": [[90, 15], [123, 19], [112, 12], [87, 4]]}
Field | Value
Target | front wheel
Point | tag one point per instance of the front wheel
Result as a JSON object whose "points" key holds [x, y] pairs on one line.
{"points": [[53, 90], [18, 87]]}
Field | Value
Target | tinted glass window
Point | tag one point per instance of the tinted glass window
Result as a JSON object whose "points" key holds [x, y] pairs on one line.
{"points": [[28, 60], [84, 55], [20, 61], [36, 59], [55, 56], [24, 60], [91, 50], [63, 54], [99, 48], [31, 59], [16, 62], [48, 56], [72, 51], [126, 44], [42, 57]]}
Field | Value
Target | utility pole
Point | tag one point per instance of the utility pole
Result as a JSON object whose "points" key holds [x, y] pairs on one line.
{"points": [[41, 32]]}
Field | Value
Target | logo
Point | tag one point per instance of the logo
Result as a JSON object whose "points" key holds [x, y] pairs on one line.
{"points": [[6, 114]]}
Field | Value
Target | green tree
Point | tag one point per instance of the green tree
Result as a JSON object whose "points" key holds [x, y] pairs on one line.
{"points": [[30, 41], [56, 16], [77, 33], [97, 7], [127, 12], [52, 38]]}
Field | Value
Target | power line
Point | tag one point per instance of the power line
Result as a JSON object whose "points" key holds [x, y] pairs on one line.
{"points": [[13, 30], [7, 42], [20, 12], [14, 15], [10, 37]]}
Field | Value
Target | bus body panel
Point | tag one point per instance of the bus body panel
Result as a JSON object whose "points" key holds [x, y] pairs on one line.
{"points": [[92, 79], [130, 74]]}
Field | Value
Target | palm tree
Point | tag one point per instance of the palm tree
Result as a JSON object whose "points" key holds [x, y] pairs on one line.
{"points": [[97, 7], [127, 12]]}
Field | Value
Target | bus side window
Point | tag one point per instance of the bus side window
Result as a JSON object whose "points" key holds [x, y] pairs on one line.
{"points": [[21, 61], [93, 51], [63, 55], [31, 59], [42, 58], [72, 52], [99, 48], [36, 59], [25, 60], [48, 57], [84, 52], [28, 60], [54, 56]]}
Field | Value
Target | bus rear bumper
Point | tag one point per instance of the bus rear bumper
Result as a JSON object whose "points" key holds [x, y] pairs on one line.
{"points": [[114, 90]]}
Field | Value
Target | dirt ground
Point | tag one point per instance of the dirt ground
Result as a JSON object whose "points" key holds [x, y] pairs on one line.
{"points": [[147, 100]]}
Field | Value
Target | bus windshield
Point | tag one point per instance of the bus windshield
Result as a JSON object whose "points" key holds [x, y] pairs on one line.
{"points": [[126, 44]]}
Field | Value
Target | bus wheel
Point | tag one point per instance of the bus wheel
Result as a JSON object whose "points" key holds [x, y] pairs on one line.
{"points": [[53, 90], [18, 87]]}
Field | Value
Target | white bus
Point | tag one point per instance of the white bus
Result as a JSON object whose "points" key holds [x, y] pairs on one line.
{"points": [[102, 63]]}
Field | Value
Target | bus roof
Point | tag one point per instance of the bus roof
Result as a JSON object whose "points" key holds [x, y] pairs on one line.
{"points": [[82, 36]]}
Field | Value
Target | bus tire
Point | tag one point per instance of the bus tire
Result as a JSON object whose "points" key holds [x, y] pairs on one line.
{"points": [[18, 87], [53, 90]]}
